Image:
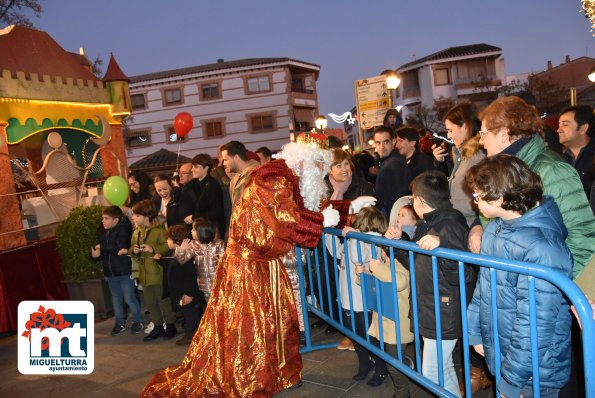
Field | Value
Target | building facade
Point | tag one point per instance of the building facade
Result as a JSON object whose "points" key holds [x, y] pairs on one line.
{"points": [[572, 74], [472, 72], [255, 101]]}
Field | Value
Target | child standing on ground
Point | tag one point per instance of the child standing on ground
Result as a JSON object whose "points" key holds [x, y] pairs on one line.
{"points": [[112, 250], [381, 270], [183, 289], [369, 220], [149, 241], [526, 227], [443, 226], [205, 251]]}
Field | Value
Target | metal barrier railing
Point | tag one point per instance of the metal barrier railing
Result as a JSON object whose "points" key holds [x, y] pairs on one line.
{"points": [[381, 297]]}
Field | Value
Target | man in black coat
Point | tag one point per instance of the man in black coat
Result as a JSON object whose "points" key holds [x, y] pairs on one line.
{"points": [[408, 147], [394, 177]]}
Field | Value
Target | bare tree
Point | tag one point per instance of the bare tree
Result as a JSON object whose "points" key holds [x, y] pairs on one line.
{"points": [[11, 11], [431, 118], [546, 94], [96, 67]]}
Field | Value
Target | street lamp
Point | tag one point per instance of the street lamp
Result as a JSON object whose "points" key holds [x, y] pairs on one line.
{"points": [[392, 82], [592, 75], [320, 123]]}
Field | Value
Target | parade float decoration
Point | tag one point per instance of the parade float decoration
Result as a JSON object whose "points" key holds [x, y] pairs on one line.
{"points": [[61, 133]]}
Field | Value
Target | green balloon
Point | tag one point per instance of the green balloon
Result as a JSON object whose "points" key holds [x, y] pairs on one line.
{"points": [[115, 190]]}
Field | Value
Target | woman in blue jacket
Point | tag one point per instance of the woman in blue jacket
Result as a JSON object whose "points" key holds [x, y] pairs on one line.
{"points": [[526, 227]]}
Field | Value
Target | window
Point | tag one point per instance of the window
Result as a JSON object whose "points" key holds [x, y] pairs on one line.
{"points": [[138, 101], [441, 76], [213, 128], [258, 84], [262, 122], [138, 138], [209, 91], [171, 137], [297, 84], [172, 96]]}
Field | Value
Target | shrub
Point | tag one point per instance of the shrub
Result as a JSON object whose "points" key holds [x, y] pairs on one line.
{"points": [[74, 238]]}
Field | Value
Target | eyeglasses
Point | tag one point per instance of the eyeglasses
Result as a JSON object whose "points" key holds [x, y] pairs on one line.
{"points": [[482, 133], [185, 172], [476, 197]]}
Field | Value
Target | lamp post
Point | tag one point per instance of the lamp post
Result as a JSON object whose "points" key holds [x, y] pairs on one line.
{"points": [[591, 77], [320, 123], [392, 82]]}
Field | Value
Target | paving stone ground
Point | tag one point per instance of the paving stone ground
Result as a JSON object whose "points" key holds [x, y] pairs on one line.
{"points": [[124, 363]]}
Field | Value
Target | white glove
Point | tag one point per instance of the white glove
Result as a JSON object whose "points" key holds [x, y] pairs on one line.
{"points": [[331, 217], [360, 202]]}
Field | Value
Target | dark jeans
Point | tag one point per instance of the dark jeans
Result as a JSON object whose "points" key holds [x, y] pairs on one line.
{"points": [[122, 290], [322, 294], [192, 315], [400, 381], [364, 356]]}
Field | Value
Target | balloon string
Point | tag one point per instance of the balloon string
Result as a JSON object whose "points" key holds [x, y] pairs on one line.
{"points": [[178, 159]]}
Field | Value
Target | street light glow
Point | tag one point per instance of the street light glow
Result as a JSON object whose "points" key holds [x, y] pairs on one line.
{"points": [[320, 123], [392, 81]]}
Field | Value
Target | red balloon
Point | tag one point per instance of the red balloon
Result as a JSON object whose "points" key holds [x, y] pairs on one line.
{"points": [[183, 123]]}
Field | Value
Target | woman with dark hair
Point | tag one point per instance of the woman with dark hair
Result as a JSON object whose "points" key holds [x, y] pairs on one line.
{"points": [[210, 200], [140, 186], [462, 126], [343, 183], [169, 202]]}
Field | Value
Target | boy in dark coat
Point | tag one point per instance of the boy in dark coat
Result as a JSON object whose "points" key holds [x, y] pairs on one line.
{"points": [[443, 226], [114, 238]]}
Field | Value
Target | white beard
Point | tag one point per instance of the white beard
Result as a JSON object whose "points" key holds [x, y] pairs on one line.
{"points": [[305, 160]]}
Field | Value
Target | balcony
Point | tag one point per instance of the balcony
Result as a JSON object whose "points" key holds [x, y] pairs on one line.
{"points": [[302, 90], [478, 82]]}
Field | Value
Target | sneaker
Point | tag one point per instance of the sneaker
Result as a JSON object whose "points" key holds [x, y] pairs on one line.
{"points": [[345, 344], [137, 327], [118, 329], [149, 328]]}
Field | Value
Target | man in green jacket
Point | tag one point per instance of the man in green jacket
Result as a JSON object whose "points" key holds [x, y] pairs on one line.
{"points": [[509, 125]]}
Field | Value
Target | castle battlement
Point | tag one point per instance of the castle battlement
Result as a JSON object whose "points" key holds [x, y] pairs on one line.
{"points": [[56, 88]]}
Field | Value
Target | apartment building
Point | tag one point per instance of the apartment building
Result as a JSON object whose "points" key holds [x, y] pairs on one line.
{"points": [[473, 72], [256, 101]]}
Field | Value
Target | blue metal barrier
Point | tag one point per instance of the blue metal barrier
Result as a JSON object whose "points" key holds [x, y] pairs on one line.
{"points": [[381, 297]]}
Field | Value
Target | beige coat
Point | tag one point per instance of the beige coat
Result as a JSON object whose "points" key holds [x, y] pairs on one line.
{"points": [[403, 288], [238, 182]]}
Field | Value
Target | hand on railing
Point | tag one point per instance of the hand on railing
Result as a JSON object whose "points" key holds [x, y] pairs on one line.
{"points": [[429, 242], [346, 230], [394, 232]]}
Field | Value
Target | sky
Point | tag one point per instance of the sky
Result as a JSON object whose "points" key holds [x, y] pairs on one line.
{"points": [[349, 39]]}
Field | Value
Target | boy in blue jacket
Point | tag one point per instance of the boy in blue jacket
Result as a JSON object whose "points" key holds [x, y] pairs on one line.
{"points": [[114, 239], [525, 227]]}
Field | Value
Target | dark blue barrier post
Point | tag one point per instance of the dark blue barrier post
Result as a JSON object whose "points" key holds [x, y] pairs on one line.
{"points": [[382, 298]]}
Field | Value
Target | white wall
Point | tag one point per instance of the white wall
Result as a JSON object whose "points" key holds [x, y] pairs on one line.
{"points": [[233, 106]]}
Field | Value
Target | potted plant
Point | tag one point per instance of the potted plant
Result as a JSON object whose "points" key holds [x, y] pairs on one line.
{"points": [[82, 275]]}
